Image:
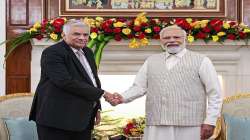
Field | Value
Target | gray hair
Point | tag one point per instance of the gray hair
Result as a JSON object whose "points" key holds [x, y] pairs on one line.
{"points": [[74, 23], [172, 27]]}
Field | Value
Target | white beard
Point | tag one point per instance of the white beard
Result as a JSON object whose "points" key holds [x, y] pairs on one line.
{"points": [[174, 50]]}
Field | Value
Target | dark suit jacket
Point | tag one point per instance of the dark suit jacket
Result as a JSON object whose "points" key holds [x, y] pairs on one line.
{"points": [[65, 95]]}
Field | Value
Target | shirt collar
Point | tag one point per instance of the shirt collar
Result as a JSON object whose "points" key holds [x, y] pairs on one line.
{"points": [[179, 54], [75, 50]]}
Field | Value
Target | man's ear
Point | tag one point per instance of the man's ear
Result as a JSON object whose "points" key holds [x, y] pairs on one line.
{"points": [[63, 34]]}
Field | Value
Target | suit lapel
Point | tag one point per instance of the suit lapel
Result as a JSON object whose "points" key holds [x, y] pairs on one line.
{"points": [[78, 63], [92, 65]]}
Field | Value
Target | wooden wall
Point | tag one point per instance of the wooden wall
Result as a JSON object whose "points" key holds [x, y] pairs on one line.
{"points": [[21, 14]]}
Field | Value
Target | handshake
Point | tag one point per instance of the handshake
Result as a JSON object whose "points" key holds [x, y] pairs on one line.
{"points": [[114, 99]]}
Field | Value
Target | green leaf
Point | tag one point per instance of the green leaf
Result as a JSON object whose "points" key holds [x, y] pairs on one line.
{"points": [[99, 50], [100, 37], [23, 38], [91, 43]]}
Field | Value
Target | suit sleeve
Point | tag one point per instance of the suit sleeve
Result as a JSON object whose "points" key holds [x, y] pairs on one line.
{"points": [[55, 68]]}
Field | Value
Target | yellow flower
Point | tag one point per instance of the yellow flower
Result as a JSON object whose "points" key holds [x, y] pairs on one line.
{"points": [[246, 30], [97, 24], [53, 36], [204, 21], [189, 20], [193, 24], [133, 44], [144, 19], [141, 15], [93, 35], [126, 31], [197, 26], [32, 30], [148, 30], [65, 19], [190, 38], [221, 33], [226, 25], [118, 24], [37, 25], [203, 25], [137, 23], [215, 38], [144, 42], [89, 21], [100, 19]]}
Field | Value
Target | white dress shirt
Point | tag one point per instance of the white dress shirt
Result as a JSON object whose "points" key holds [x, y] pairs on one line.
{"points": [[207, 75]]}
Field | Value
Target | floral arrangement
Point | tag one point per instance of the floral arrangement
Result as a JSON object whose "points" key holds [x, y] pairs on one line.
{"points": [[109, 126], [134, 127], [138, 30]]}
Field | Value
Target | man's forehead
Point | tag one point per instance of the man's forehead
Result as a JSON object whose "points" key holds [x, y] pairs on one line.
{"points": [[173, 31], [80, 29]]}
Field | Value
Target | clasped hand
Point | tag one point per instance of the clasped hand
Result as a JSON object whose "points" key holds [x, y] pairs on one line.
{"points": [[114, 99]]}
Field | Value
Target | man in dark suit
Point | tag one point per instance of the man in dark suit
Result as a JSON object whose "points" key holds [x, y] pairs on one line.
{"points": [[66, 103]]}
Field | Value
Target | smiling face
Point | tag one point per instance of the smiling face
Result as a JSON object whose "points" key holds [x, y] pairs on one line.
{"points": [[76, 36], [173, 39]]}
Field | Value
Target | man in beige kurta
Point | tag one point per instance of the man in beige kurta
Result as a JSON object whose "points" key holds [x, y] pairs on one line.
{"points": [[183, 95]]}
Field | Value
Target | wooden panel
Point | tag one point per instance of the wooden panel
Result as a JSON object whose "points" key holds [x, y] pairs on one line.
{"points": [[246, 12], [52, 8], [19, 60], [18, 12], [18, 84], [19, 19]]}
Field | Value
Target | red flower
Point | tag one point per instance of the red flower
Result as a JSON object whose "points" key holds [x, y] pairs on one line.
{"points": [[141, 36], [232, 23], [186, 26], [39, 37], [130, 23], [156, 36], [137, 28], [231, 37], [218, 28], [94, 30], [122, 19], [105, 25], [152, 22], [129, 126], [216, 22], [44, 22], [43, 30], [242, 35], [108, 30], [58, 22], [109, 21], [179, 21], [206, 29], [118, 37], [130, 36], [58, 30], [117, 30], [201, 35], [156, 29], [144, 24]]}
